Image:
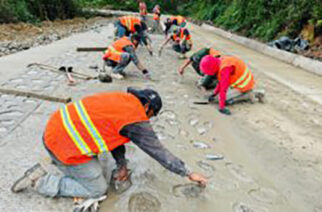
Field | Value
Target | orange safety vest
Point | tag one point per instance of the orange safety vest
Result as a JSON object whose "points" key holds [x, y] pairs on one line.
{"points": [[242, 78], [214, 52], [83, 129], [181, 36], [115, 50], [129, 21], [180, 19]]}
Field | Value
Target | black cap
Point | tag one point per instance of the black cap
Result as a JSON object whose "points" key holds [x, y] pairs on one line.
{"points": [[148, 96]]}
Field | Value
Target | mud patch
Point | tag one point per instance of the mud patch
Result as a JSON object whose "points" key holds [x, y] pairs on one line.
{"points": [[206, 167], [243, 207], [144, 202], [238, 172], [266, 195], [190, 190]]}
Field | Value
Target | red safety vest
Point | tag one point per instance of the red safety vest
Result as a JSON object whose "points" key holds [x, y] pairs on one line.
{"points": [[156, 15], [83, 129], [143, 10], [129, 21], [115, 50], [242, 78]]}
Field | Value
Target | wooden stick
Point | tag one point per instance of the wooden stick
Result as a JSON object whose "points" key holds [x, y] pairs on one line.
{"points": [[91, 49], [56, 70], [35, 95]]}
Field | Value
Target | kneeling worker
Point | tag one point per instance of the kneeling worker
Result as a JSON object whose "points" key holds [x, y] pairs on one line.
{"points": [[206, 82], [77, 133], [178, 21], [182, 41], [120, 53], [235, 80], [130, 25]]}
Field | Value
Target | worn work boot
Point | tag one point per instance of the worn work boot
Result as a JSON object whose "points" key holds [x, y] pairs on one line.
{"points": [[117, 76], [29, 179], [260, 95]]}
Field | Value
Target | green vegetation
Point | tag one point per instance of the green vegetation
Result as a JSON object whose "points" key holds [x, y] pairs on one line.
{"points": [[36, 10], [259, 18], [263, 19]]}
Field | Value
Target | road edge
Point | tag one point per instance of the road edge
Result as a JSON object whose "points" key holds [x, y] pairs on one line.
{"points": [[307, 64]]}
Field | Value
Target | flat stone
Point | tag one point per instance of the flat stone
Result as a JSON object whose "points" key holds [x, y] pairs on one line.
{"points": [[144, 202]]}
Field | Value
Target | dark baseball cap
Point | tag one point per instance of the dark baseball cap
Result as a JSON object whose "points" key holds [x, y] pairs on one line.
{"points": [[148, 96]]}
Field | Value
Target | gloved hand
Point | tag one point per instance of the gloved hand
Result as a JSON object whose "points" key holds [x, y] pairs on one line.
{"points": [[225, 111], [211, 98], [146, 74], [89, 205]]}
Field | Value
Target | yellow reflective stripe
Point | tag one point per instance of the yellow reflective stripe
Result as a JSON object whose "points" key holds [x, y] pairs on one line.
{"points": [[91, 129], [128, 23], [73, 133], [245, 82], [242, 78], [113, 50]]}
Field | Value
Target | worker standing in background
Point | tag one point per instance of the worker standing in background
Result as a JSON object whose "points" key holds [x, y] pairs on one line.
{"points": [[182, 41], [156, 17], [206, 81], [235, 80], [130, 25], [120, 53], [177, 21], [80, 131], [143, 10]]}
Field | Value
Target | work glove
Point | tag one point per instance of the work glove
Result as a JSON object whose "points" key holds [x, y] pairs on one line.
{"points": [[89, 205], [225, 111], [211, 98]]}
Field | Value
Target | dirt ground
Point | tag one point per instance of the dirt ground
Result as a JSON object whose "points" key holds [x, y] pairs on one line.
{"points": [[22, 36], [272, 151]]}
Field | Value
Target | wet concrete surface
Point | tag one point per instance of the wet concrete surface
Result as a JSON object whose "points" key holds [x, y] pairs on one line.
{"points": [[257, 173]]}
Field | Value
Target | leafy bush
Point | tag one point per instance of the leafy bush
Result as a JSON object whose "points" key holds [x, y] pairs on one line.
{"points": [[36, 10]]}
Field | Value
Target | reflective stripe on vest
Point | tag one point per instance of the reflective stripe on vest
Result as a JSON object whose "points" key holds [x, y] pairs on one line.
{"points": [[128, 23], [112, 50], [243, 80], [73, 133], [88, 124]]}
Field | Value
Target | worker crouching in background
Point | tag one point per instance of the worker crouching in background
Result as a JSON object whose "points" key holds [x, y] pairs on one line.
{"points": [[206, 81], [182, 42], [120, 53]]}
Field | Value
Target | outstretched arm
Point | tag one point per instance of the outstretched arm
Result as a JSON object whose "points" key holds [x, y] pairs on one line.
{"points": [[184, 66], [144, 137], [134, 58], [163, 44]]}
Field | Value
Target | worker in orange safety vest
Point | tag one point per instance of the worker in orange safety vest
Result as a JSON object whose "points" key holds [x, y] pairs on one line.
{"points": [[120, 53], [174, 21], [131, 25], [182, 42], [235, 80], [81, 131]]}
